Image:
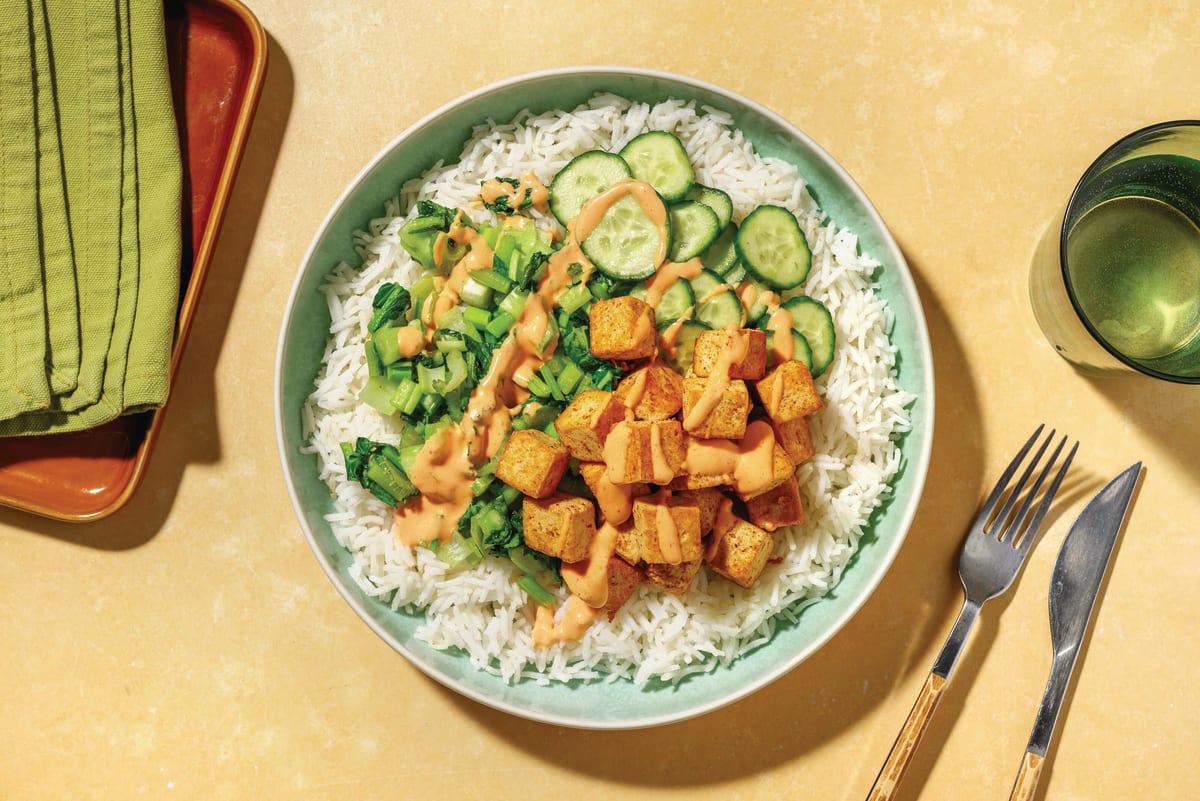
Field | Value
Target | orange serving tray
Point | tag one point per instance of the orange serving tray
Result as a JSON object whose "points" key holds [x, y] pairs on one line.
{"points": [[217, 52]]}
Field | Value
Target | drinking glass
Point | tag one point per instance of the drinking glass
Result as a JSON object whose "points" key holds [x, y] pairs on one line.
{"points": [[1115, 282]]}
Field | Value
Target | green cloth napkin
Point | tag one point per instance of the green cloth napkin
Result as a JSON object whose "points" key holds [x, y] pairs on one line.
{"points": [[105, 231]]}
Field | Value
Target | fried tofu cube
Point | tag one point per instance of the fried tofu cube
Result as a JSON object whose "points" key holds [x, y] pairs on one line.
{"points": [[561, 525], [622, 328], [795, 437], [642, 451], [726, 419], [788, 393], [584, 424], [781, 470], [615, 501], [533, 462], [777, 507], [628, 543], [653, 392], [705, 500], [699, 481], [623, 579], [739, 550], [750, 362], [666, 525], [675, 579]]}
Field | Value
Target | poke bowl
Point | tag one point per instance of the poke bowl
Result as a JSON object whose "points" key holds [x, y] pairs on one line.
{"points": [[473, 587]]}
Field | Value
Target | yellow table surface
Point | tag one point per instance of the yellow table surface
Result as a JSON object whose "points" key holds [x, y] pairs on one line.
{"points": [[191, 647]]}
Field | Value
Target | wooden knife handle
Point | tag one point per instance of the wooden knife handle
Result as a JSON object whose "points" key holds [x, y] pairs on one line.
{"points": [[901, 755], [1027, 777]]}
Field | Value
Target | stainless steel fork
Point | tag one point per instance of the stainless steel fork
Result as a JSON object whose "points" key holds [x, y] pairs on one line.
{"points": [[992, 556]]}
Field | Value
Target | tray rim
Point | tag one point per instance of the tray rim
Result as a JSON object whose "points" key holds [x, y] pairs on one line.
{"points": [[199, 270]]}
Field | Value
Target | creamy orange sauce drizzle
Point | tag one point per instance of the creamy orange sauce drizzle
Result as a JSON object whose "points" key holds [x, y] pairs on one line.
{"points": [[615, 500], [667, 275], [411, 341], [660, 467], [531, 328], [558, 276], [588, 579], [487, 419], [714, 386], [616, 450], [442, 472], [724, 521], [748, 464], [668, 533], [637, 388], [783, 347], [576, 618], [528, 188], [477, 257]]}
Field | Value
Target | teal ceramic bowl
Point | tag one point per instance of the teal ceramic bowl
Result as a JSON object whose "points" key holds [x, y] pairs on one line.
{"points": [[619, 704]]}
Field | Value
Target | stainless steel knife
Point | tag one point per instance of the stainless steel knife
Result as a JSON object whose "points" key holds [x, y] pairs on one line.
{"points": [[1082, 562]]}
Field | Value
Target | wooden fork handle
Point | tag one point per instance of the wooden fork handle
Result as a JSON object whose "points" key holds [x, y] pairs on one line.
{"points": [[1027, 777], [901, 755]]}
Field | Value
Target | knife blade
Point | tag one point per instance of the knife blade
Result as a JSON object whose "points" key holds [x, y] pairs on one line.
{"points": [[1074, 586]]}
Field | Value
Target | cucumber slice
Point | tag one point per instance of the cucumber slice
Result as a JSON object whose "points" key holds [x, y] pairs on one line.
{"points": [[674, 304], [772, 246], [721, 256], [694, 227], [717, 305], [815, 323], [658, 158], [800, 349], [584, 177], [624, 244], [736, 275], [715, 199], [685, 344]]}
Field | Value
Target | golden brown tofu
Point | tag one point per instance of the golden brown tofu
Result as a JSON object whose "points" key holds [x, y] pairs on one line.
{"points": [[727, 420], [533, 462], [644, 451], [584, 424], [711, 344], [669, 529], [692, 482], [777, 507], [707, 501], [788, 393], [561, 525], [675, 579], [623, 579], [622, 328], [628, 543], [739, 550], [795, 437], [653, 392]]}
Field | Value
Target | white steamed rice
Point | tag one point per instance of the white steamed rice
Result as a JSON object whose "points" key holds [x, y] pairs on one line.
{"points": [[655, 635]]}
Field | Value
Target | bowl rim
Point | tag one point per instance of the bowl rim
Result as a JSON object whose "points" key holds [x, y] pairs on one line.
{"points": [[917, 462]]}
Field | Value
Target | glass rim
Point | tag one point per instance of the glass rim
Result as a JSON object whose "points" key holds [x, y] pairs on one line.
{"points": [[1098, 164]]}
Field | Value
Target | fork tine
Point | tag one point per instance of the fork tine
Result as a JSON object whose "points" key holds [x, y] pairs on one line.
{"points": [[985, 511], [1017, 523], [1036, 522], [1003, 518]]}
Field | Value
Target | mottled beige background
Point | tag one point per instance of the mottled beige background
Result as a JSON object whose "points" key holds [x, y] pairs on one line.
{"points": [[190, 646]]}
